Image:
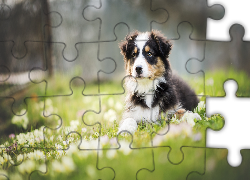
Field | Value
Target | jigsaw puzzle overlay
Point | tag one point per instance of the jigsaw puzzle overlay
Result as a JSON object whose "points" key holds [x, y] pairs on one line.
{"points": [[76, 101]]}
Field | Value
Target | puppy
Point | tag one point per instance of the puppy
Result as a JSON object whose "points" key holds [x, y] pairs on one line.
{"points": [[151, 87]]}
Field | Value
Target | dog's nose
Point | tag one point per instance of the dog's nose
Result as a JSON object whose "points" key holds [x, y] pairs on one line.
{"points": [[138, 70]]}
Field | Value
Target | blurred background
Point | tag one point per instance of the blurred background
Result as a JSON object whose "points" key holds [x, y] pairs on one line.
{"points": [[62, 36], [45, 44]]}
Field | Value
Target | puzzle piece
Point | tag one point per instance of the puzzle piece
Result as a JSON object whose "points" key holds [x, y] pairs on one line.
{"points": [[22, 48], [28, 149], [83, 66], [224, 138], [178, 12], [23, 23], [195, 49], [235, 13], [21, 158], [111, 50], [219, 54], [78, 160], [69, 49], [57, 104], [221, 169], [142, 10], [78, 30], [111, 117], [114, 157], [192, 163], [184, 135]]}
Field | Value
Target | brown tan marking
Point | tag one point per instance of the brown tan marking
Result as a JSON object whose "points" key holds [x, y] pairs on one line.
{"points": [[179, 113], [128, 68], [147, 48], [135, 50], [157, 70]]}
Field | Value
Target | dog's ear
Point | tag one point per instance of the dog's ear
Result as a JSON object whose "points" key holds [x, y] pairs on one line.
{"points": [[164, 45], [128, 41]]}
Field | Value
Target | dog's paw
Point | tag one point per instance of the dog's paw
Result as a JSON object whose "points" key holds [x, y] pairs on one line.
{"points": [[129, 124], [180, 113]]}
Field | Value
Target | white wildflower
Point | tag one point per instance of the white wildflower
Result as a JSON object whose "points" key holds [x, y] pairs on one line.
{"points": [[58, 146], [7, 158], [110, 115], [104, 139], [68, 129], [59, 153], [65, 143], [57, 166], [51, 138], [6, 144], [21, 120], [110, 154], [2, 161], [91, 171], [68, 163], [200, 106], [190, 121], [39, 132], [96, 134], [22, 141], [70, 139], [118, 106], [20, 158], [2, 146], [31, 142], [72, 149], [31, 156], [38, 154], [175, 120], [38, 140], [128, 124], [74, 124], [84, 129], [27, 166], [60, 138], [189, 118]]}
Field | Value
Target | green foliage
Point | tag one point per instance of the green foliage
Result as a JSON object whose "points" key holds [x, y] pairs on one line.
{"points": [[72, 163]]}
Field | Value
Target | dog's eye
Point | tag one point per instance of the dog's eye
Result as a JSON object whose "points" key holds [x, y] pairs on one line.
{"points": [[149, 54], [134, 54]]}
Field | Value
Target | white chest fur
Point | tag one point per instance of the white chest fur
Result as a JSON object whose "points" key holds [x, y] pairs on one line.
{"points": [[149, 100]]}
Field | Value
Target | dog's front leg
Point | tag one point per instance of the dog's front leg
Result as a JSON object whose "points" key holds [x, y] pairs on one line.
{"points": [[128, 124]]}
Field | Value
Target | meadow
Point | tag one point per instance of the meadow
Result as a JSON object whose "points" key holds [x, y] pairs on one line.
{"points": [[75, 136]]}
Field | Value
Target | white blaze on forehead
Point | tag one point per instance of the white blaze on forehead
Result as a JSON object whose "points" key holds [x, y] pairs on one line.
{"points": [[141, 40]]}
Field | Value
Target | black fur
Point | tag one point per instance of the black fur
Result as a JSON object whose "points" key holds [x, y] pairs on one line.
{"points": [[138, 99], [174, 90], [169, 94]]}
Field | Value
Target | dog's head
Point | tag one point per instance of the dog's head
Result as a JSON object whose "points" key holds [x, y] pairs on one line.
{"points": [[146, 55]]}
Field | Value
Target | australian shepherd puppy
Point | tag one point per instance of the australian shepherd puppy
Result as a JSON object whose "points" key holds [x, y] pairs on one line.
{"points": [[151, 87]]}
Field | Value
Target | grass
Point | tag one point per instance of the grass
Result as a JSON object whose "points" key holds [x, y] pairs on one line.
{"points": [[70, 139]]}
